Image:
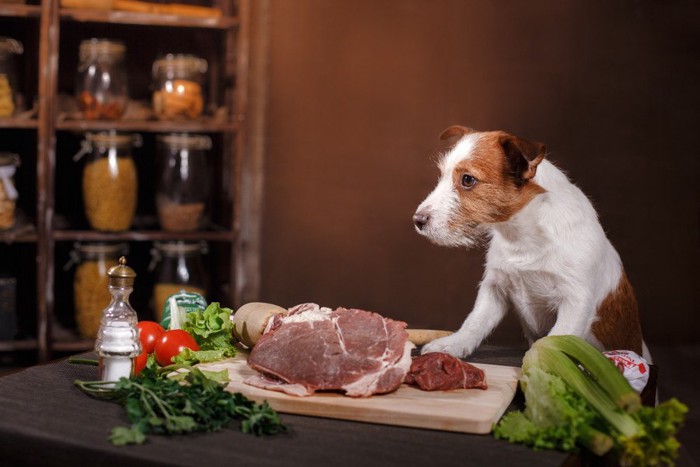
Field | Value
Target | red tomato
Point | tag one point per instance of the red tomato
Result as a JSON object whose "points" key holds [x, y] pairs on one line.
{"points": [[149, 333], [171, 344], [140, 362]]}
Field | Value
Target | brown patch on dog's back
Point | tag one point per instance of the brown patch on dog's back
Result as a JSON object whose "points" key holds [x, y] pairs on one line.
{"points": [[617, 325]]}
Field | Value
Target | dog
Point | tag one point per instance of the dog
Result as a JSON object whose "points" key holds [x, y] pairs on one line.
{"points": [[548, 257]]}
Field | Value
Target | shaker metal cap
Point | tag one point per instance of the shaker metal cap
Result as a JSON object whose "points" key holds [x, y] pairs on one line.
{"points": [[121, 275]]}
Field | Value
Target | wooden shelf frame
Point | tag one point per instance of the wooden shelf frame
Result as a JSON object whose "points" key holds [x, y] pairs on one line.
{"points": [[21, 11], [19, 123], [148, 126], [141, 236], [126, 17], [234, 29]]}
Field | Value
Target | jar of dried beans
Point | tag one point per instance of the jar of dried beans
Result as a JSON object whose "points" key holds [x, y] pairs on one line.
{"points": [[179, 266], [90, 293], [178, 81], [182, 186], [8, 75], [101, 87], [110, 180], [8, 193]]}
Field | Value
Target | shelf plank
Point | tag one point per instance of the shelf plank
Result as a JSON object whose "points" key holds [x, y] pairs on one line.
{"points": [[19, 123], [20, 11], [73, 346], [11, 237], [24, 231], [23, 344], [146, 19], [140, 236], [152, 126]]}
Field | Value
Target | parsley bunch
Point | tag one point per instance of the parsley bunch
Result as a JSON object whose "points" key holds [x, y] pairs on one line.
{"points": [[194, 401]]}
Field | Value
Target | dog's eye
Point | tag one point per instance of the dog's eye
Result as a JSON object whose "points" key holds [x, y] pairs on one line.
{"points": [[468, 181]]}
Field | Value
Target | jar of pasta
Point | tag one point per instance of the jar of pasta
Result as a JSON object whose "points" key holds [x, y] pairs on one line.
{"points": [[8, 193], [182, 185], [90, 293], [8, 75], [179, 266], [110, 180], [178, 81], [101, 84]]}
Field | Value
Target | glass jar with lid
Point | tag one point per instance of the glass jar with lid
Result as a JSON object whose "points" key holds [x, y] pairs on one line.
{"points": [[178, 82], [90, 292], [182, 186], [8, 193], [101, 85], [8, 75], [179, 266], [110, 182]]}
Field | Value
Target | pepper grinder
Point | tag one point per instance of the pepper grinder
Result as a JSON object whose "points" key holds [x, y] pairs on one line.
{"points": [[117, 341]]}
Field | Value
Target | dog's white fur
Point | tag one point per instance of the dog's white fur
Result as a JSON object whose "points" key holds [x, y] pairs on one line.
{"points": [[551, 261]]}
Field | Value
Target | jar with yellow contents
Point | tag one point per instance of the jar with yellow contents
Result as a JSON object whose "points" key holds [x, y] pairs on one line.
{"points": [[178, 81], [90, 292], [8, 193], [8, 75], [179, 266], [110, 182]]}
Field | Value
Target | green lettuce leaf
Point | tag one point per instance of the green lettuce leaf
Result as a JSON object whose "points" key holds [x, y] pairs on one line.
{"points": [[192, 357], [212, 328]]}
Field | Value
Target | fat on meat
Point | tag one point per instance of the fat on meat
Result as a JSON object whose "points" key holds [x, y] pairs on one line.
{"points": [[311, 349]]}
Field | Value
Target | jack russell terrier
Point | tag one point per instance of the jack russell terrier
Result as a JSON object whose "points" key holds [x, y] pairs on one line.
{"points": [[548, 257]]}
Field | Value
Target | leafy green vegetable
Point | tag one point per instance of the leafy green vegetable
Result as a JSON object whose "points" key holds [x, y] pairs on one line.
{"points": [[192, 357], [156, 404], [576, 398], [554, 416], [211, 328]]}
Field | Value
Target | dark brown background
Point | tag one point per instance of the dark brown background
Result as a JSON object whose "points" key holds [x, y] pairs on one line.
{"points": [[358, 92]]}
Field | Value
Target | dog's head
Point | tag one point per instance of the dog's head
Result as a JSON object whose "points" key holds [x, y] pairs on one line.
{"points": [[485, 178]]}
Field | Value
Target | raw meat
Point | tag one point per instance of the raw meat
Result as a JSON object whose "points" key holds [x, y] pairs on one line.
{"points": [[314, 349], [439, 371]]}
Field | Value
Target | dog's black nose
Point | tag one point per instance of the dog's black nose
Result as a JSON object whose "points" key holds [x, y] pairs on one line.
{"points": [[420, 219]]}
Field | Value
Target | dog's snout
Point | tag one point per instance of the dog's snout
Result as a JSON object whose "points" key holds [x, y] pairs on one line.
{"points": [[420, 219]]}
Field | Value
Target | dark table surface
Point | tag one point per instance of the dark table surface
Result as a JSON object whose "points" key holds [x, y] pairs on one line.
{"points": [[45, 420]]}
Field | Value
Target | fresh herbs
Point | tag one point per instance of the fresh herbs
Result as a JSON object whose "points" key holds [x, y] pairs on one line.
{"points": [[576, 398], [191, 401]]}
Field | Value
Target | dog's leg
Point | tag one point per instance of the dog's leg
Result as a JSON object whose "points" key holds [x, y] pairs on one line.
{"points": [[574, 317], [489, 309]]}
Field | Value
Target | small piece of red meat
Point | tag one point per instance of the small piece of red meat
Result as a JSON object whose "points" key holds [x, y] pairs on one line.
{"points": [[439, 371]]}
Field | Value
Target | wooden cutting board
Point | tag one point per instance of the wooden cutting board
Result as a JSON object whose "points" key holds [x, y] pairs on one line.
{"points": [[461, 410]]}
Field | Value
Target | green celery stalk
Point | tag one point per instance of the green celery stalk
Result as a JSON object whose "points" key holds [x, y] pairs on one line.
{"points": [[598, 367], [558, 363], [595, 441]]}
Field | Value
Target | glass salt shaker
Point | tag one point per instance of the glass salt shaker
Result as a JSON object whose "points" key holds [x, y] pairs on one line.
{"points": [[117, 341]]}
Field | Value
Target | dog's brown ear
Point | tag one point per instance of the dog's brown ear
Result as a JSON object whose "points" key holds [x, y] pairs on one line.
{"points": [[455, 130], [523, 156]]}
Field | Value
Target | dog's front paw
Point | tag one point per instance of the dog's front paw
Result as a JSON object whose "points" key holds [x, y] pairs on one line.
{"points": [[454, 344]]}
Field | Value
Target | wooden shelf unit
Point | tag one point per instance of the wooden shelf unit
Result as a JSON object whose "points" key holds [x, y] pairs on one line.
{"points": [[224, 42]]}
